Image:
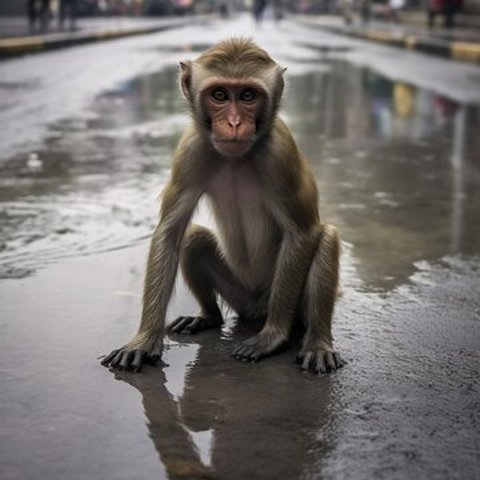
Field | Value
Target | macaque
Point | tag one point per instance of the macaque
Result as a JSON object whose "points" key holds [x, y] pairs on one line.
{"points": [[273, 259]]}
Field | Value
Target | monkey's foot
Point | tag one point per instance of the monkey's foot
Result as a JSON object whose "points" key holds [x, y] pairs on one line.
{"points": [[128, 358], [319, 360], [257, 347], [190, 325]]}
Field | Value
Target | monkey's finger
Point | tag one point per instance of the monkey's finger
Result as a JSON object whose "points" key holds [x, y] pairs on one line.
{"points": [[180, 326], [173, 325], [330, 361], [240, 353], [251, 355], [306, 361], [126, 359], [156, 356], [109, 358], [192, 326], [243, 351], [117, 359], [137, 360], [320, 366], [338, 360], [256, 356], [237, 350], [242, 358]]}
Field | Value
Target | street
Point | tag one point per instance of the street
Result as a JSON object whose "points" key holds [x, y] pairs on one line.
{"points": [[86, 146]]}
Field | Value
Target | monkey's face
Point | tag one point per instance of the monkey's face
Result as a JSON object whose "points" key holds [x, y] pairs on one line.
{"points": [[233, 110], [234, 91]]}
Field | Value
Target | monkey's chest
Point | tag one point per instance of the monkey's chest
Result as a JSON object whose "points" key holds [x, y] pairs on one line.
{"points": [[249, 232]]}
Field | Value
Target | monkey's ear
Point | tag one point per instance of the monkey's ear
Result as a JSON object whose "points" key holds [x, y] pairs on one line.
{"points": [[283, 70], [187, 65], [186, 77]]}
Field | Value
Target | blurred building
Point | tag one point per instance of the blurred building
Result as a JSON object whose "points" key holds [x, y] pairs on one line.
{"points": [[112, 7], [19, 7], [172, 7]]}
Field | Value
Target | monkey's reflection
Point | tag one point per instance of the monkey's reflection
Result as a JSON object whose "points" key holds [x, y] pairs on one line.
{"points": [[265, 417]]}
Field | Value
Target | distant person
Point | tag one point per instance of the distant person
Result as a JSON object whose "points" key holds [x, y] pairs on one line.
{"points": [[278, 12], [38, 11], [67, 10], [32, 13], [395, 7], [347, 11], [447, 8], [259, 7], [223, 10], [365, 11]]}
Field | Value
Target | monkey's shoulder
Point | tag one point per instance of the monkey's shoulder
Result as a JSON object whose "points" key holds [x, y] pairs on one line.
{"points": [[193, 158], [283, 147], [282, 162]]}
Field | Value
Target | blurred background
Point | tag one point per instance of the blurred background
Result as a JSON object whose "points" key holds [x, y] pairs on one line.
{"points": [[178, 7], [384, 100]]}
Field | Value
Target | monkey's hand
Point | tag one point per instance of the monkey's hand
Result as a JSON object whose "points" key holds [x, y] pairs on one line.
{"points": [[259, 346], [319, 359], [190, 325], [134, 354]]}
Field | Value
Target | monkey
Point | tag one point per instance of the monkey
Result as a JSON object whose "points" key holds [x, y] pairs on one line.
{"points": [[272, 258]]}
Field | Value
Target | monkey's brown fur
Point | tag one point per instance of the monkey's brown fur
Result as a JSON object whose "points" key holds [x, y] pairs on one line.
{"points": [[273, 259]]}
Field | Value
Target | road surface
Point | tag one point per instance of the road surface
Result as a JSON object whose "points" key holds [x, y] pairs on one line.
{"points": [[86, 143]]}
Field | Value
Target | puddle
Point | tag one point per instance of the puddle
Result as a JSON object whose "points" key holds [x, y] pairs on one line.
{"points": [[397, 168], [94, 186]]}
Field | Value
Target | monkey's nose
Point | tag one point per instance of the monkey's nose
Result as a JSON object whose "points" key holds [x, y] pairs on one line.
{"points": [[234, 121]]}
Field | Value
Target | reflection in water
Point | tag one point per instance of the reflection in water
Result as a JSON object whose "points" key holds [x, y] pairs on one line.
{"points": [[260, 421], [94, 186], [385, 167], [458, 194], [386, 156]]}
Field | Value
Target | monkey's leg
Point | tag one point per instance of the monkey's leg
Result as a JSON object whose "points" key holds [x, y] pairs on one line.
{"points": [[317, 353], [207, 274]]}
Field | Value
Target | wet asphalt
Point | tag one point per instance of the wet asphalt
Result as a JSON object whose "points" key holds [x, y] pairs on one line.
{"points": [[86, 142]]}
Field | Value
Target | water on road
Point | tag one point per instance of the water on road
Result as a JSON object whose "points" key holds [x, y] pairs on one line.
{"points": [[87, 138]]}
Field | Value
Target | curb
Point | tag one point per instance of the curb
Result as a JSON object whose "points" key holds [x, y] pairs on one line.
{"points": [[455, 50], [12, 47]]}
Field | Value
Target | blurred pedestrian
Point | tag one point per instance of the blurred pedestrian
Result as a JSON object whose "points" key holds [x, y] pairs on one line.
{"points": [[347, 11], [223, 10], [38, 11], [396, 6], [32, 13], [67, 10], [365, 10], [447, 8], [259, 7], [277, 6]]}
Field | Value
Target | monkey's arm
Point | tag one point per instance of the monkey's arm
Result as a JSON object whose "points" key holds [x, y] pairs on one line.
{"points": [[293, 262], [179, 200]]}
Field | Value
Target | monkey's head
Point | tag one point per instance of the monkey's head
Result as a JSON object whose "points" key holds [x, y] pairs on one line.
{"points": [[234, 91]]}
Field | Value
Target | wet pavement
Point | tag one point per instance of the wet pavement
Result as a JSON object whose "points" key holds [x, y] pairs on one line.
{"points": [[85, 152]]}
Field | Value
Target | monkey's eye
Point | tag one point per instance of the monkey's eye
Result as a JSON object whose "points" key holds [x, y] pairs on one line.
{"points": [[219, 94], [248, 95]]}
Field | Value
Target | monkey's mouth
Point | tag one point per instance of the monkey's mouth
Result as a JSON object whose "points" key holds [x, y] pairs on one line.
{"points": [[232, 147], [232, 140]]}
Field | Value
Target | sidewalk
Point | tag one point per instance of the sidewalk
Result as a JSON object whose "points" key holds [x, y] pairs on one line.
{"points": [[457, 43], [15, 38]]}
